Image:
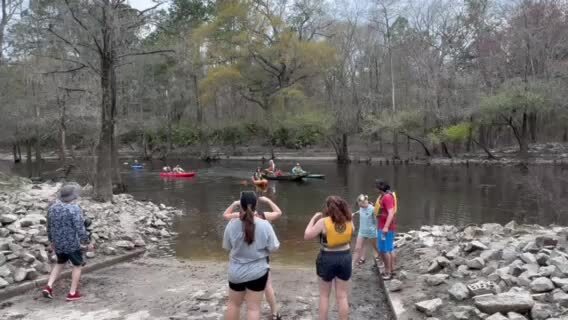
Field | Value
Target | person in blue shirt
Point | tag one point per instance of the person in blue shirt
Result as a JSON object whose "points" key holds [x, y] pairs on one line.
{"points": [[66, 232]]}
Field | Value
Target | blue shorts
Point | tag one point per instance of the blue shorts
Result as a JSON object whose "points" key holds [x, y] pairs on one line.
{"points": [[386, 244]]}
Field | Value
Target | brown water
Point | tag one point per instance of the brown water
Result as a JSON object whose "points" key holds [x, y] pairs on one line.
{"points": [[427, 195]]}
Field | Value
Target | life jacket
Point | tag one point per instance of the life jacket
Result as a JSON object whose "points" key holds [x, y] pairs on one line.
{"points": [[378, 204], [336, 235]]}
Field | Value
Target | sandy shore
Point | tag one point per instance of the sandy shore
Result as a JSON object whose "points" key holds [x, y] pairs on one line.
{"points": [[165, 288]]}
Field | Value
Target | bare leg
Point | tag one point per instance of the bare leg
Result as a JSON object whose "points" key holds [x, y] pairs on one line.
{"points": [[325, 290], [391, 258], [234, 306], [55, 274], [342, 297], [358, 248], [375, 248], [75, 277], [253, 299], [388, 263], [270, 296]]}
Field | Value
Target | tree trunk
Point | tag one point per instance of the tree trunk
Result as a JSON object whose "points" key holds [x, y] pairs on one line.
{"points": [[29, 163], [565, 134], [199, 110], [38, 156], [16, 152], [469, 143], [395, 154], [103, 174], [533, 126], [522, 136], [485, 149], [343, 150], [445, 150], [118, 185], [422, 144], [62, 134], [3, 24], [146, 156]]}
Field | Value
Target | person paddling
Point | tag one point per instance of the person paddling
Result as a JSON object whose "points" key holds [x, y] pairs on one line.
{"points": [[250, 241], [333, 265], [233, 212], [297, 170]]}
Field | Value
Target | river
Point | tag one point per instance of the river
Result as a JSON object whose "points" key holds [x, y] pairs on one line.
{"points": [[427, 195]]}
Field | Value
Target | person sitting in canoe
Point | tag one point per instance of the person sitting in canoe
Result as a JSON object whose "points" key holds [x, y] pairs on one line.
{"points": [[178, 169], [257, 176], [167, 169], [297, 170]]}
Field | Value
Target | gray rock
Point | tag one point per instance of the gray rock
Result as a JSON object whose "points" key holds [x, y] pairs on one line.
{"points": [[27, 257], [109, 251], [524, 280], [443, 262], [2, 259], [541, 284], [31, 274], [505, 302], [18, 237], [476, 263], [4, 232], [560, 262], [488, 255], [42, 256], [541, 311], [560, 297], [512, 225], [139, 243], [395, 285], [478, 245], [33, 219], [542, 259], [488, 270], [509, 254], [496, 316], [8, 218], [465, 313], [546, 271], [20, 274], [436, 279], [546, 241], [516, 316], [429, 307], [459, 291], [3, 283], [528, 258], [454, 253], [90, 254], [41, 267], [531, 270], [124, 244], [531, 247], [482, 287], [560, 282], [164, 233], [5, 271]]}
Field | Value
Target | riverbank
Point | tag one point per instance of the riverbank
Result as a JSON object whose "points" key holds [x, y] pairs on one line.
{"points": [[539, 154], [117, 227], [165, 289], [488, 271]]}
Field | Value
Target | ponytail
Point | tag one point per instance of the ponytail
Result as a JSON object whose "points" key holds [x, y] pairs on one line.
{"points": [[247, 217]]}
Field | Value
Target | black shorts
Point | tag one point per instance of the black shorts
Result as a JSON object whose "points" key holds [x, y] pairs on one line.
{"points": [[76, 258], [334, 264], [254, 285]]}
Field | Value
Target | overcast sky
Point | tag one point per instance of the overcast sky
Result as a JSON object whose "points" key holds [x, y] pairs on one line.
{"points": [[143, 4]]}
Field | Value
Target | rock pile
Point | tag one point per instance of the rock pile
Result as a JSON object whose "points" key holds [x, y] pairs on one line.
{"points": [[119, 226], [486, 272]]}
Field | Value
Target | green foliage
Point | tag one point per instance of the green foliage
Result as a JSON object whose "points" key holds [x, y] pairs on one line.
{"points": [[511, 102], [402, 121], [456, 133]]}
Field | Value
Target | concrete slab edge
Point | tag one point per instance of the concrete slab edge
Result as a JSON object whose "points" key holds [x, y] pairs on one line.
{"points": [[20, 289], [386, 291]]}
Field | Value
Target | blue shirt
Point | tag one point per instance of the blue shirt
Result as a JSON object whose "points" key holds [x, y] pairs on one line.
{"points": [[65, 227], [367, 222]]}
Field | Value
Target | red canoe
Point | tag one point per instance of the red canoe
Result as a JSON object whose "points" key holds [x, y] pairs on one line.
{"points": [[177, 174]]}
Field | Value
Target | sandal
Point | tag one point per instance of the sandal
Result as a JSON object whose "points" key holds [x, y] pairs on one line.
{"points": [[276, 316], [387, 276], [360, 262]]}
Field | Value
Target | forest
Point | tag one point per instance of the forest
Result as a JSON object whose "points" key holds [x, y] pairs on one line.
{"points": [[426, 78]]}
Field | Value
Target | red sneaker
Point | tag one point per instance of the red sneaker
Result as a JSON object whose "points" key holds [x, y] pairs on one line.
{"points": [[47, 292], [74, 297]]}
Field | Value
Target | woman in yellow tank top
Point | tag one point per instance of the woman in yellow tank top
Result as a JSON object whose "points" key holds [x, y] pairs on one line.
{"points": [[335, 228]]}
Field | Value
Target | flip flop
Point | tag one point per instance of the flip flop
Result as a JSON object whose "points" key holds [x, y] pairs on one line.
{"points": [[360, 262], [276, 316]]}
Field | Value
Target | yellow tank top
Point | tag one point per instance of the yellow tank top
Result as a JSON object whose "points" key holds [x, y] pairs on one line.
{"points": [[337, 235]]}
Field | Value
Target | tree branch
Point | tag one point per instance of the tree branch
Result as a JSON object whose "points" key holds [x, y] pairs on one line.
{"points": [[81, 67], [145, 53], [74, 16]]}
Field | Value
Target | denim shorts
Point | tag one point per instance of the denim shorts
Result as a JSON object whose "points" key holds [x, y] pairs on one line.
{"points": [[386, 244], [76, 258], [334, 264]]}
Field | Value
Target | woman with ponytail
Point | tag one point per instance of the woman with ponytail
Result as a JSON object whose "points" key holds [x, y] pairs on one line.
{"points": [[333, 265], [250, 241]]}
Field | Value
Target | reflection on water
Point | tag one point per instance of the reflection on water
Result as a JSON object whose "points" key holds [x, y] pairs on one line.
{"points": [[427, 195]]}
